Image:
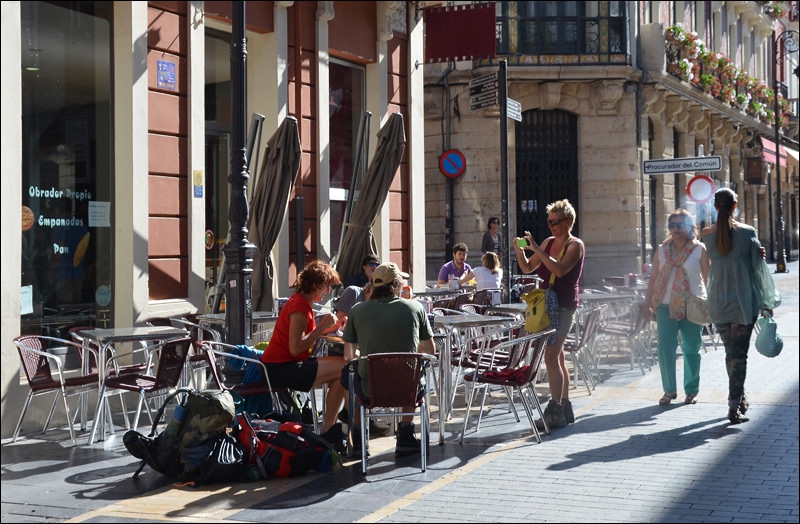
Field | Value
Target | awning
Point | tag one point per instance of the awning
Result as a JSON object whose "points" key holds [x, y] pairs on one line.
{"points": [[768, 152], [793, 156]]}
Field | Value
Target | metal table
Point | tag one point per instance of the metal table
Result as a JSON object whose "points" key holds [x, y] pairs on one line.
{"points": [[105, 338], [451, 323], [261, 320]]}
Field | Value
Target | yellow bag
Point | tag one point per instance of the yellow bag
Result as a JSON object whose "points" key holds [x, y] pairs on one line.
{"points": [[536, 317]]}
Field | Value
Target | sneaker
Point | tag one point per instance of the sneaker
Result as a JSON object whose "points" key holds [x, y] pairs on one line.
{"points": [[744, 405], [554, 415], [336, 437], [569, 415], [407, 443]]}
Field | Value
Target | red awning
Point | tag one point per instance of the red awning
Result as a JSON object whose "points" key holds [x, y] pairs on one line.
{"points": [[768, 152]]}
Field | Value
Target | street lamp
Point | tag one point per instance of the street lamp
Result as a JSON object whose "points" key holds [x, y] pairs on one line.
{"points": [[784, 43]]}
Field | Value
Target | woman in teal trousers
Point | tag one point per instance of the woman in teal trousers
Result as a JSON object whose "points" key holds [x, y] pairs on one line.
{"points": [[680, 268]]}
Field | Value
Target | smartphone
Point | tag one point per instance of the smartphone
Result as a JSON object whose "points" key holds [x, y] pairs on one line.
{"points": [[523, 242]]}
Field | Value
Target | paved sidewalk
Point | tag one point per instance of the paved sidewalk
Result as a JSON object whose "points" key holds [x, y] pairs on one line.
{"points": [[626, 459]]}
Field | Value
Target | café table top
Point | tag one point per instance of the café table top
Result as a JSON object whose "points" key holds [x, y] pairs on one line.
{"points": [[469, 320], [605, 297], [515, 307], [131, 334]]}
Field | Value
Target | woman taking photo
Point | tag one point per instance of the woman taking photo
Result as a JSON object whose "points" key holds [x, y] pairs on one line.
{"points": [[560, 255], [288, 356], [680, 268]]}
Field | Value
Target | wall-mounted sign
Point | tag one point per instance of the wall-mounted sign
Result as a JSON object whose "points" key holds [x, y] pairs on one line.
{"points": [[452, 163], [166, 75]]}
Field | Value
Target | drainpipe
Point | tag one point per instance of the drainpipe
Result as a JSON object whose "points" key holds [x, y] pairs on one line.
{"points": [[448, 188], [639, 152]]}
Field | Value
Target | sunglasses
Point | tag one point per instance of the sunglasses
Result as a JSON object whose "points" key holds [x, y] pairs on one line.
{"points": [[373, 264], [555, 222], [498, 223], [677, 225]]}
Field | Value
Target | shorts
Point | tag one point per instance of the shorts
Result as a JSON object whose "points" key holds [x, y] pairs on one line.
{"points": [[299, 375], [344, 380], [566, 318]]}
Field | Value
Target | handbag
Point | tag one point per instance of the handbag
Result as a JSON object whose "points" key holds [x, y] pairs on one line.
{"points": [[696, 310], [768, 341]]}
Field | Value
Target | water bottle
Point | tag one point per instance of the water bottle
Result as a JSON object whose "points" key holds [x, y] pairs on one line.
{"points": [[178, 416]]}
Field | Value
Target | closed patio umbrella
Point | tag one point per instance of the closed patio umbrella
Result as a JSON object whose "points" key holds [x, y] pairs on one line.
{"points": [[268, 207], [358, 241]]}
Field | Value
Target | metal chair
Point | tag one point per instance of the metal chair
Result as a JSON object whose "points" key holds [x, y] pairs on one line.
{"points": [[169, 367], [578, 345], [393, 384], [214, 350], [522, 358], [45, 374]]}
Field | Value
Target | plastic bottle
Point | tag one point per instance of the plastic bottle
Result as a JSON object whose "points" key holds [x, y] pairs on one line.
{"points": [[453, 282], [178, 416]]}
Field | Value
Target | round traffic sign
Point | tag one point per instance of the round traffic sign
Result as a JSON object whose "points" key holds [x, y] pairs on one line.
{"points": [[700, 189], [452, 163]]}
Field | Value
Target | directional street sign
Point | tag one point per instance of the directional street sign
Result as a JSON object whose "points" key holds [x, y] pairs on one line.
{"points": [[682, 165], [485, 79], [514, 109], [483, 100], [483, 91]]}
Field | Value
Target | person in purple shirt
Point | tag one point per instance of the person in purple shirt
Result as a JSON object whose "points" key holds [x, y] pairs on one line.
{"points": [[456, 267]]}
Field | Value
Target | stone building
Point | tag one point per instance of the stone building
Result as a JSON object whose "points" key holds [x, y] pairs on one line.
{"points": [[603, 87]]}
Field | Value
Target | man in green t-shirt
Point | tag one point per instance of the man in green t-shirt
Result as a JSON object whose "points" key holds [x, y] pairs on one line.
{"points": [[387, 323]]}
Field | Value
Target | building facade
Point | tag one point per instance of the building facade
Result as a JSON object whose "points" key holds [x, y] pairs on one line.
{"points": [[603, 87], [117, 147]]}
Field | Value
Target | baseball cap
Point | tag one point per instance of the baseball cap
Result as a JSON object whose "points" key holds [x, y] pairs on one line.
{"points": [[386, 273]]}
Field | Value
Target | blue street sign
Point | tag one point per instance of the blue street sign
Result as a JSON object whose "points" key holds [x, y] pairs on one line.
{"points": [[452, 163]]}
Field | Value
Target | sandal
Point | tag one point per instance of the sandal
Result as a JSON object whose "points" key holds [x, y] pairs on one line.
{"points": [[736, 416], [667, 398], [690, 399]]}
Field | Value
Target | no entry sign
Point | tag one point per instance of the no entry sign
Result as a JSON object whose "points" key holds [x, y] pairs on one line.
{"points": [[452, 163]]}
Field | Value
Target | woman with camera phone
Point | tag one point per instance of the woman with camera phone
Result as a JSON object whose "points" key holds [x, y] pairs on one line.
{"points": [[560, 255]]}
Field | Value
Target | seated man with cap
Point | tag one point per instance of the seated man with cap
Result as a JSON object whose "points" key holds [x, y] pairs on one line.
{"points": [[383, 324]]}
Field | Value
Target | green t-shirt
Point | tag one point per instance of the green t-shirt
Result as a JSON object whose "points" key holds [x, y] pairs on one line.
{"points": [[386, 325]]}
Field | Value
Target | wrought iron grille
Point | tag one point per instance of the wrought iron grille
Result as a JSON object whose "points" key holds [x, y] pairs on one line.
{"points": [[546, 167]]}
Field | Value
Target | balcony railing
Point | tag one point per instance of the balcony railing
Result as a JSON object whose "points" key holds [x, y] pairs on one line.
{"points": [[690, 60]]}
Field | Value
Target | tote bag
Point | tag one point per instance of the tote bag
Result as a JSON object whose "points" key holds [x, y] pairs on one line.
{"points": [[536, 317], [768, 341]]}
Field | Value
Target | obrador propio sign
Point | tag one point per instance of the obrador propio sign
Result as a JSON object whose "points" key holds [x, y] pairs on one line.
{"points": [[682, 165]]}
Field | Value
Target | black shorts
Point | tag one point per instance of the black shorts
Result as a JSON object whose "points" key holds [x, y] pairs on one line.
{"points": [[298, 376], [344, 380]]}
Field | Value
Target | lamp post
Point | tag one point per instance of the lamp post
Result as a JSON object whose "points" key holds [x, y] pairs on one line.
{"points": [[238, 250], [784, 43]]}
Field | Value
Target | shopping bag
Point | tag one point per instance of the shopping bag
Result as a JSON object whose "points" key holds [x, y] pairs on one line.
{"points": [[768, 341]]}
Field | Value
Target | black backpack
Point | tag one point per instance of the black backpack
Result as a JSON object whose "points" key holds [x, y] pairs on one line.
{"points": [[199, 450]]}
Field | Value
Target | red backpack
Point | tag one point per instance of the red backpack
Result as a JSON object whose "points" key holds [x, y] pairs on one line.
{"points": [[281, 447]]}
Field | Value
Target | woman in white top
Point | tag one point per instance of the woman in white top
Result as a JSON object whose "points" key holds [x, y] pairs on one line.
{"points": [[680, 268], [488, 275]]}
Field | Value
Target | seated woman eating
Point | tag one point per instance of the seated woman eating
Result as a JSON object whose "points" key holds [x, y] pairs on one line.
{"points": [[288, 356]]}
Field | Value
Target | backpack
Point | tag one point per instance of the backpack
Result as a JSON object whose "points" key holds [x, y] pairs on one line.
{"points": [[282, 446], [196, 449]]}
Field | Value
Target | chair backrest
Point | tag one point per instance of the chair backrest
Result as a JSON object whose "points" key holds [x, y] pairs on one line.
{"points": [[75, 334], [35, 361], [534, 353], [171, 358], [394, 378], [461, 299]]}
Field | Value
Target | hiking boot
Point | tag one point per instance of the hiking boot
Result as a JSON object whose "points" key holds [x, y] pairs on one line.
{"points": [[407, 443], [554, 415], [566, 406]]}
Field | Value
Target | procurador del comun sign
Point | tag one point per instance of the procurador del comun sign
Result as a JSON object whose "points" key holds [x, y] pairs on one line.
{"points": [[682, 165]]}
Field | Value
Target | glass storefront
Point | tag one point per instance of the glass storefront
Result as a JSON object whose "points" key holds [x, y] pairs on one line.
{"points": [[67, 165]]}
